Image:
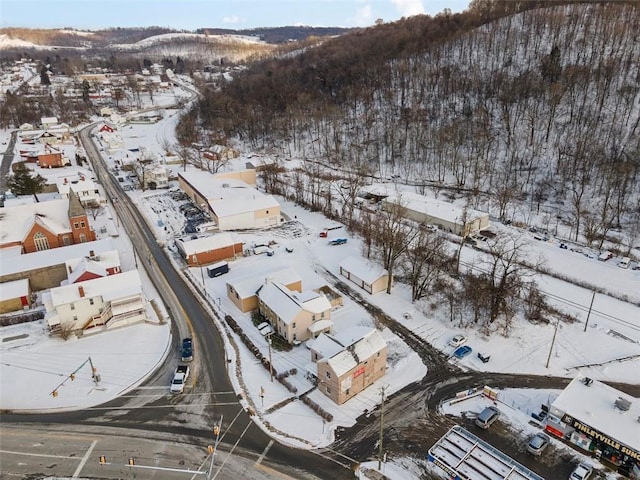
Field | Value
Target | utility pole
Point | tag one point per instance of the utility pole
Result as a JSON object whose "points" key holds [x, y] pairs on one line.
{"points": [[212, 450], [381, 429], [593, 297], [270, 364], [555, 331]]}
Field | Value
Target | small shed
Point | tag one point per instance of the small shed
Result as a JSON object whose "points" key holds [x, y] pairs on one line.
{"points": [[370, 277], [15, 295]]}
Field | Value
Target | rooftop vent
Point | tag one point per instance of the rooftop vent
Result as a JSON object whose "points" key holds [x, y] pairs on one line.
{"points": [[587, 381], [622, 404]]}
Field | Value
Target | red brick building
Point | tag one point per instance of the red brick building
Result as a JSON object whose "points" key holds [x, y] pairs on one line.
{"points": [[45, 225]]}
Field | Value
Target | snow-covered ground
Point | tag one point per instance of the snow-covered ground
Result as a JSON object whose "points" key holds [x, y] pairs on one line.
{"points": [[613, 331]]}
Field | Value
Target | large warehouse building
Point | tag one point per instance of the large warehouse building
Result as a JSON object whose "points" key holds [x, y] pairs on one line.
{"points": [[231, 200]]}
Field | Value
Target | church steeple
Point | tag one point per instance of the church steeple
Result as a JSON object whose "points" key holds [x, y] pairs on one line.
{"points": [[75, 207]]}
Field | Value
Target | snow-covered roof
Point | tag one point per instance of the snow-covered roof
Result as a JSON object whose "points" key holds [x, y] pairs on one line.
{"points": [[14, 289], [370, 342], [205, 244], [97, 264], [363, 269], [228, 196], [320, 325], [593, 404], [248, 286], [76, 185], [110, 288], [18, 220], [287, 304], [432, 207], [11, 263]]}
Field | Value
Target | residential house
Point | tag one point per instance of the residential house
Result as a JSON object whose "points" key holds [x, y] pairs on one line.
{"points": [[206, 250], [242, 292], [92, 266], [44, 225], [15, 295], [50, 157], [232, 204], [349, 362], [156, 176], [296, 316], [86, 190], [49, 268], [95, 305], [365, 274], [48, 122]]}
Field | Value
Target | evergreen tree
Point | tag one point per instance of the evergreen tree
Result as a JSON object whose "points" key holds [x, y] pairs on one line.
{"points": [[44, 76], [24, 182]]}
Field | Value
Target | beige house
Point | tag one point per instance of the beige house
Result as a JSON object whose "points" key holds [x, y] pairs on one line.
{"points": [[296, 316], [349, 362], [243, 294], [365, 274]]}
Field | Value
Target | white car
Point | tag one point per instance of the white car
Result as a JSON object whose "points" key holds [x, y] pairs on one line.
{"points": [[265, 329], [581, 472], [457, 341]]}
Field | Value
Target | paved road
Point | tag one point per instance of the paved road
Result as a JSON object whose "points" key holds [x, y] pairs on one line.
{"points": [[7, 159]]}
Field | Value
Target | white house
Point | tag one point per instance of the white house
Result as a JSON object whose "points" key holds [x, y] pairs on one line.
{"points": [[96, 305], [87, 190]]}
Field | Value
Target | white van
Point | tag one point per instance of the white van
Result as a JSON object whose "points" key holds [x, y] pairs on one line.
{"points": [[606, 255], [624, 263]]}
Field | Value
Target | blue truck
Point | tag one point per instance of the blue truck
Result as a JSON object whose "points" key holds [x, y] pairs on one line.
{"points": [[338, 241]]}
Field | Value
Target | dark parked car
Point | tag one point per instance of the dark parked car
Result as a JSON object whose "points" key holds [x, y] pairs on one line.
{"points": [[187, 349], [484, 358]]}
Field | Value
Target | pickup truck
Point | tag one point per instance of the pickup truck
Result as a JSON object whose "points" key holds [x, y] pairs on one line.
{"points": [[338, 241], [179, 379]]}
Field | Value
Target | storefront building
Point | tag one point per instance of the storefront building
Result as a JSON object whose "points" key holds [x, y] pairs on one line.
{"points": [[601, 420]]}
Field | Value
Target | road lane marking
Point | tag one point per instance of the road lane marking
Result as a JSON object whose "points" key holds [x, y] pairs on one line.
{"points": [[273, 472], [264, 453], [30, 454], [84, 459]]}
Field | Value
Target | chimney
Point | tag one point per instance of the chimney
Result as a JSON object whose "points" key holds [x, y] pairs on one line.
{"points": [[66, 181], [81, 291], [91, 254]]}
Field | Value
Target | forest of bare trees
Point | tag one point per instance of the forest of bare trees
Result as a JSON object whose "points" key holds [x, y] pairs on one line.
{"points": [[533, 112]]}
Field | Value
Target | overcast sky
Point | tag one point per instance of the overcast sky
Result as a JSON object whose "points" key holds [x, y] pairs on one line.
{"points": [[192, 14]]}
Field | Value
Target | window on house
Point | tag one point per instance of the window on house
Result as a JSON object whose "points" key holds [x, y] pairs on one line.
{"points": [[347, 391], [237, 296], [66, 241], [41, 241], [328, 390], [294, 325], [75, 318], [73, 306], [267, 212], [328, 374], [322, 315], [378, 354], [295, 336], [91, 301], [313, 318], [76, 225], [83, 238], [82, 224]]}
